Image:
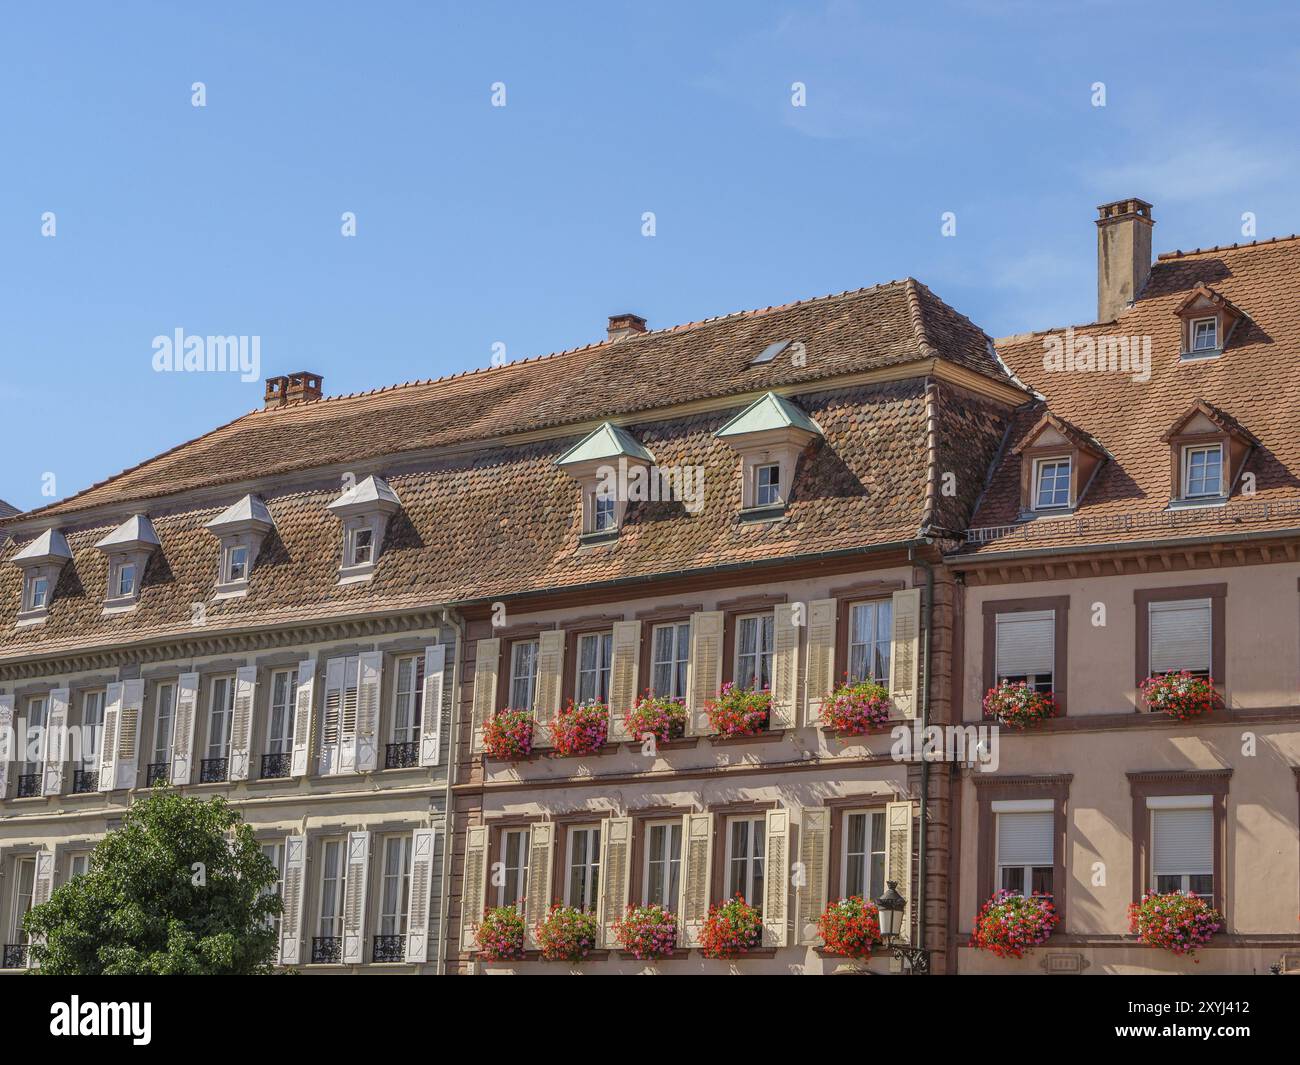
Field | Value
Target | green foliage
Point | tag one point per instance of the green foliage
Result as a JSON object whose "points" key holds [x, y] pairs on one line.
{"points": [[181, 888]]}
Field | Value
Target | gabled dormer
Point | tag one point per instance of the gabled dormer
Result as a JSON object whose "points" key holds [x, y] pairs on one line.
{"points": [[128, 549], [241, 528], [607, 462], [364, 510], [769, 435], [1207, 320], [1208, 449], [41, 562], [1057, 463]]}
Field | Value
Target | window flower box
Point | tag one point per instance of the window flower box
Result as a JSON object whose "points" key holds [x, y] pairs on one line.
{"points": [[1010, 924], [853, 709], [1180, 695], [732, 929], [739, 711], [850, 928], [657, 716], [1177, 922], [567, 934], [580, 729], [508, 737], [501, 935], [1017, 705], [648, 933]]}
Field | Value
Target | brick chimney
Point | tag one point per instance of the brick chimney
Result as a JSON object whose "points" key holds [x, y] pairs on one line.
{"points": [[293, 388], [1123, 254], [625, 325]]}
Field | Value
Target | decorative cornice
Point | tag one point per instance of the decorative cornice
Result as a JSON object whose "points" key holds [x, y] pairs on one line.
{"points": [[1024, 780]]}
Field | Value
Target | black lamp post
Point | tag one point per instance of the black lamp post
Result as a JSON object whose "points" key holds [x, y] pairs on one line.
{"points": [[890, 907]]}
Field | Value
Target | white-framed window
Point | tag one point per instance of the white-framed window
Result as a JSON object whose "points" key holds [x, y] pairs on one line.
{"points": [[408, 698], [767, 485], [221, 708], [863, 858], [123, 584], [92, 726], [1203, 471], [523, 674], [514, 867], [333, 883], [279, 725], [1180, 636], [78, 864], [1051, 483], [24, 886], [36, 594], [1025, 648], [661, 885], [604, 512], [670, 650], [869, 640], [583, 880], [1026, 844], [37, 711], [395, 886], [1182, 844], [360, 545], [236, 564], [745, 851], [595, 655], [275, 855], [754, 646], [1205, 334], [164, 714]]}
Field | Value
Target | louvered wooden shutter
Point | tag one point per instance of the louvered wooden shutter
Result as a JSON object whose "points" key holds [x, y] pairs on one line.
{"points": [[785, 668], [241, 722], [128, 734], [293, 892], [1026, 643], [625, 661], [42, 889], [541, 870], [354, 898], [304, 703], [332, 715], [814, 854], [703, 669], [108, 738], [474, 891], [615, 875], [820, 670], [776, 879], [903, 655], [898, 858], [435, 664], [487, 662], [370, 678], [697, 873], [54, 743], [1179, 635], [419, 924], [6, 732], [1182, 842], [550, 683], [1026, 838], [187, 701]]}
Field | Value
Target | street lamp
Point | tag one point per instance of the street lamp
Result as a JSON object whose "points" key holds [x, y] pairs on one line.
{"points": [[890, 908]]}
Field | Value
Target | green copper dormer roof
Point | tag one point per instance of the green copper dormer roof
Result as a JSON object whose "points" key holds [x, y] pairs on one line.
{"points": [[768, 412], [605, 442]]}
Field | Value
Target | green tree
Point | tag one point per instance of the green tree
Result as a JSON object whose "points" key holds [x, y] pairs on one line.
{"points": [[181, 888]]}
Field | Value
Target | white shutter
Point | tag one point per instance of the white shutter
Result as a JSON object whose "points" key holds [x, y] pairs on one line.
{"points": [[898, 858], [1026, 838], [1179, 635], [474, 888], [903, 654], [541, 871], [54, 743], [370, 677], [487, 661], [615, 875], [550, 683], [785, 668], [6, 732], [187, 701], [128, 734], [814, 855], [776, 879], [342, 752], [820, 669], [424, 851], [697, 875], [241, 722], [703, 669], [435, 665], [1026, 644], [292, 894], [1182, 842], [42, 888], [108, 738], [332, 715], [354, 898], [304, 701], [625, 661]]}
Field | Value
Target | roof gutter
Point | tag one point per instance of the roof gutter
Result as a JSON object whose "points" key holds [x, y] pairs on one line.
{"points": [[959, 560]]}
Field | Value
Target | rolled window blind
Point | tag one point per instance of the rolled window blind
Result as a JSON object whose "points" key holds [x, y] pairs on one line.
{"points": [[1179, 635], [1025, 838], [1026, 643], [1183, 842]]}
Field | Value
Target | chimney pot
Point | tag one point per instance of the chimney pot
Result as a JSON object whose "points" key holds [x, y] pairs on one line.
{"points": [[292, 388], [1123, 254], [625, 325]]}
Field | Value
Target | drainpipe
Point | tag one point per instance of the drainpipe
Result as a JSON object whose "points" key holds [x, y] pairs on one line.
{"points": [[454, 621], [926, 625]]}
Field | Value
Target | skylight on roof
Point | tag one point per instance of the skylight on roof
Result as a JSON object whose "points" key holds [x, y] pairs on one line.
{"points": [[769, 353]]}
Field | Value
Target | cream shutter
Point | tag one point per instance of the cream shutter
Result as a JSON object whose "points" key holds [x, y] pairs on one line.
{"points": [[1026, 643], [6, 732], [304, 701], [54, 743], [615, 875], [820, 670], [1179, 635], [697, 872], [187, 701], [898, 858], [332, 715], [814, 855], [371, 673], [1182, 842], [550, 683], [241, 722], [474, 889], [1026, 838], [108, 738], [703, 669], [776, 879], [903, 654], [487, 662], [128, 733], [785, 668], [424, 852], [625, 662], [293, 891], [42, 888], [435, 666], [541, 871], [354, 898]]}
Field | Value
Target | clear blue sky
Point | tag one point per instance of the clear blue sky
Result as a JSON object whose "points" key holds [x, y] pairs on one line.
{"points": [[522, 224]]}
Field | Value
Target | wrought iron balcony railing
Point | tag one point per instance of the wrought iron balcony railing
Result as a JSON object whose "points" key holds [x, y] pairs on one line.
{"points": [[15, 956], [84, 780], [29, 785], [276, 766], [402, 755], [214, 770], [389, 948], [155, 774], [326, 949]]}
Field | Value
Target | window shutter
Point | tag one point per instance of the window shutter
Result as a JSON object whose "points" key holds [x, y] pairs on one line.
{"points": [[6, 731], [615, 875], [703, 669], [624, 664], [42, 888], [331, 718], [820, 679], [550, 683], [898, 858], [1183, 841], [354, 898], [54, 743], [1026, 838], [241, 722], [1026, 643], [108, 738], [487, 661], [304, 701], [541, 870], [697, 871], [903, 654], [128, 733], [435, 663], [424, 848], [187, 701], [370, 676], [295, 881], [776, 878], [814, 854], [785, 668], [473, 898], [1179, 635]]}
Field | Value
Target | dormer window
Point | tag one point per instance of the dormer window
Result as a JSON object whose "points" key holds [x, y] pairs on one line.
{"points": [[767, 489], [240, 528], [1208, 449], [363, 546], [612, 469], [1205, 334], [1052, 484], [604, 513], [37, 595], [124, 579], [769, 435], [128, 548], [41, 561], [364, 510], [236, 564], [1207, 320], [1057, 463], [1203, 471]]}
